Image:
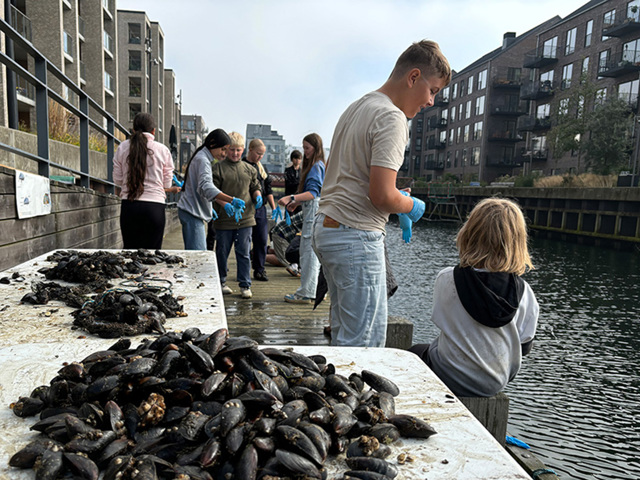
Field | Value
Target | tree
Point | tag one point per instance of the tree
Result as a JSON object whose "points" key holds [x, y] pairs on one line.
{"points": [[611, 139], [572, 120]]}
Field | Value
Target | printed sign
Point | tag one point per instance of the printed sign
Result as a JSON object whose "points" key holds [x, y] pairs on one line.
{"points": [[33, 195]]}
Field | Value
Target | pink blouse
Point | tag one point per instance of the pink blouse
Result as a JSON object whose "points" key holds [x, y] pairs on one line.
{"points": [[159, 170]]}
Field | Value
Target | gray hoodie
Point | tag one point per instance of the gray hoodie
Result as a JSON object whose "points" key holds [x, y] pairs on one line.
{"points": [[199, 190]]}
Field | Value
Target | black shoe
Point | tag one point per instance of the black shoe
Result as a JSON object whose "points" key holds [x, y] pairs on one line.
{"points": [[262, 276]]}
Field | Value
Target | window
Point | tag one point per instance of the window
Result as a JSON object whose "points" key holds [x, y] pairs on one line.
{"points": [[418, 144], [107, 42], [588, 33], [567, 72], [466, 133], [475, 156], [135, 87], [134, 109], [67, 44], [608, 19], [468, 110], [464, 157], [451, 135], [480, 105], [135, 33], [603, 61], [416, 163], [514, 74], [459, 136], [547, 77], [461, 88], [570, 45], [482, 80], [543, 111], [443, 137], [470, 85], [601, 96], [563, 107], [455, 158], [444, 115], [538, 145], [580, 107], [631, 52], [135, 60], [109, 84], [444, 95], [448, 160], [633, 10], [453, 114], [454, 93], [477, 130], [629, 92], [550, 48], [585, 66], [460, 111]]}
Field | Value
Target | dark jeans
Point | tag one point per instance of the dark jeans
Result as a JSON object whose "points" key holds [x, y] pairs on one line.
{"points": [[260, 238], [142, 224], [211, 236]]}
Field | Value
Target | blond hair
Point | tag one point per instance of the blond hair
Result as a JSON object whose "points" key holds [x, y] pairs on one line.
{"points": [[494, 238], [427, 56], [255, 143], [237, 140]]}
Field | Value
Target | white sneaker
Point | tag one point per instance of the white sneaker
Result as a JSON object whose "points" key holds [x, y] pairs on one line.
{"points": [[226, 290], [246, 293]]}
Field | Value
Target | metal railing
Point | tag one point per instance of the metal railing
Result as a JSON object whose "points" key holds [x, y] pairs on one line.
{"points": [[43, 93], [21, 23]]}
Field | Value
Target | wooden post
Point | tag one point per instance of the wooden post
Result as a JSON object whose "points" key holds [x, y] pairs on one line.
{"points": [[399, 333], [492, 412]]}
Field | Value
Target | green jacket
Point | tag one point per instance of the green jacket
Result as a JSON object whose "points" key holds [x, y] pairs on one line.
{"points": [[240, 180]]}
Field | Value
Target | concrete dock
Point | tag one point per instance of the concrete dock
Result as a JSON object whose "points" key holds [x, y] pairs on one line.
{"points": [[266, 317]]}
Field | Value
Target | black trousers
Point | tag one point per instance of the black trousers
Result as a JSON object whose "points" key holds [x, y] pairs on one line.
{"points": [[260, 239], [142, 224]]}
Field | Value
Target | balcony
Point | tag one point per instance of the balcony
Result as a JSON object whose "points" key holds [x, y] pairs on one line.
{"points": [[537, 90], [109, 83], [507, 79], [107, 43], [435, 144], [541, 57], [623, 26], [630, 99], [621, 63], [434, 165], [532, 123], [505, 137], [509, 110], [21, 23], [503, 161], [535, 155], [441, 101], [438, 122], [26, 92]]}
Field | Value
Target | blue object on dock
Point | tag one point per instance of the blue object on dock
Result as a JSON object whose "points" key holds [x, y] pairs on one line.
{"points": [[518, 443], [541, 471], [176, 181]]}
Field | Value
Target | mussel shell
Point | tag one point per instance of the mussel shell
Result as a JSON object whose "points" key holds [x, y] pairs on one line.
{"points": [[385, 433], [49, 465], [343, 419], [412, 427], [210, 453], [380, 383], [247, 466], [371, 464], [27, 455], [233, 412], [297, 464], [27, 406], [296, 440], [364, 475], [81, 466], [319, 436]]}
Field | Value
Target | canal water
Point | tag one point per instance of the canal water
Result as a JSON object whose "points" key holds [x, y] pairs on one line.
{"points": [[576, 400]]}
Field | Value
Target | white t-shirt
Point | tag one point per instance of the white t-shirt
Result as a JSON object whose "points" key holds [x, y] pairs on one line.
{"points": [[371, 132], [470, 358]]}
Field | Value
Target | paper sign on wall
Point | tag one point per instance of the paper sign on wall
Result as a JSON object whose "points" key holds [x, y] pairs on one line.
{"points": [[33, 195]]}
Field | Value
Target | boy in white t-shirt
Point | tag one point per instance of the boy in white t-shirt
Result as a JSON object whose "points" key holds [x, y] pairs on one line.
{"points": [[359, 193]]}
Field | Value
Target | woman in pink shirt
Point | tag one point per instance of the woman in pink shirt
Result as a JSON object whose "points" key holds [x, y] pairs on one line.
{"points": [[143, 169]]}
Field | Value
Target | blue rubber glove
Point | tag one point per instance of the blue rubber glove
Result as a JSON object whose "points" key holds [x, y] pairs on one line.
{"points": [[228, 208], [418, 209], [258, 202], [276, 215], [214, 215], [238, 203], [238, 214], [287, 217], [176, 181], [405, 225], [406, 194]]}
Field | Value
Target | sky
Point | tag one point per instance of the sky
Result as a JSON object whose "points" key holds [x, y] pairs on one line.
{"points": [[297, 64]]}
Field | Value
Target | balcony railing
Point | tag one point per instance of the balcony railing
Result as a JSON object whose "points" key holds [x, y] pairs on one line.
{"points": [[107, 41], [626, 23], [434, 165], [512, 110], [505, 136], [541, 56], [533, 123], [504, 161], [21, 23], [537, 90], [67, 44], [631, 99], [436, 144], [441, 101], [438, 122], [507, 78], [620, 63]]}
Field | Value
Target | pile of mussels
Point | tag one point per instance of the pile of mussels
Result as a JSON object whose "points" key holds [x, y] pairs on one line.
{"points": [[208, 406]]}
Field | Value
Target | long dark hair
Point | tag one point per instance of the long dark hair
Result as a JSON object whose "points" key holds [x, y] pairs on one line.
{"points": [[216, 139], [138, 151], [315, 141]]}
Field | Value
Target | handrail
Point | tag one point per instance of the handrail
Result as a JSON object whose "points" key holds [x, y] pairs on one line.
{"points": [[43, 67]]}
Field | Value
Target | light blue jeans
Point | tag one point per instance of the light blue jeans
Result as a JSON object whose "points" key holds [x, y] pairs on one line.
{"points": [[309, 264], [194, 233], [354, 266], [240, 239]]}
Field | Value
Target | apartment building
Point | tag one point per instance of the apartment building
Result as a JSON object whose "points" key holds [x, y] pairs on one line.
{"points": [[600, 40], [77, 36], [192, 133], [275, 157], [471, 131]]}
